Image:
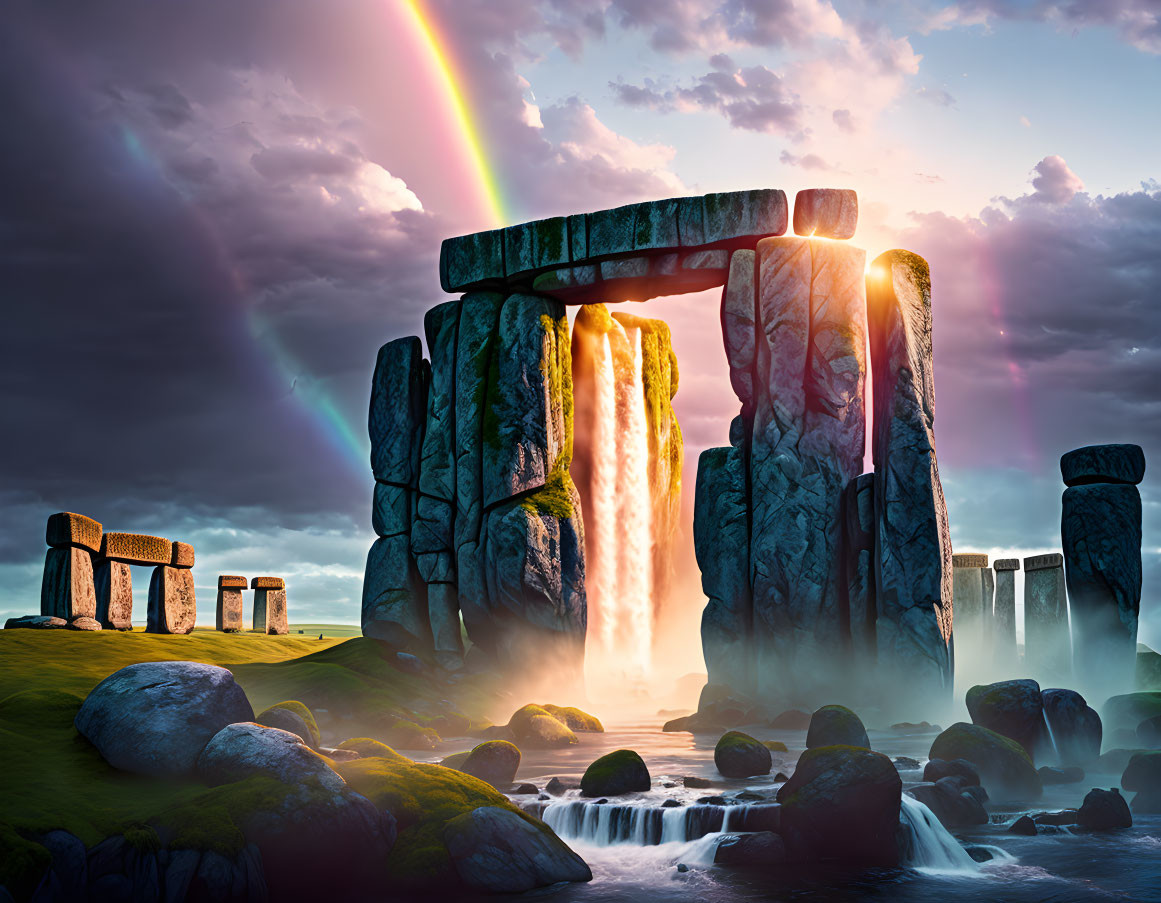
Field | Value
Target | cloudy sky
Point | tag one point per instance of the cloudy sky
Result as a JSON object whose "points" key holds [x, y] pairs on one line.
{"points": [[213, 213]]}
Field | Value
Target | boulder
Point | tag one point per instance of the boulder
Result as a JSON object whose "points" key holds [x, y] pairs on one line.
{"points": [[1130, 709], [1024, 826], [534, 728], [156, 717], [1012, 708], [1004, 766], [1070, 775], [739, 755], [1149, 732], [1100, 530], [241, 750], [494, 762], [792, 720], [950, 802], [913, 592], [403, 734], [1076, 726], [806, 445], [621, 771], [1143, 775], [1104, 810], [35, 622], [1103, 464], [574, 719], [367, 748], [842, 803], [836, 725], [83, 623], [496, 851], [937, 769], [295, 717], [560, 786], [826, 212], [757, 849]]}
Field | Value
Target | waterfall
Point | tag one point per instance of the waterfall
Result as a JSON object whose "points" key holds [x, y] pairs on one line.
{"points": [[601, 580], [634, 600], [1051, 736], [609, 824], [930, 847]]}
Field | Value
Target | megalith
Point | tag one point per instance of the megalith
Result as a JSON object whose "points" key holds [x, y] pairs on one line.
{"points": [[1047, 647], [228, 617], [1004, 618], [270, 606], [67, 589]]}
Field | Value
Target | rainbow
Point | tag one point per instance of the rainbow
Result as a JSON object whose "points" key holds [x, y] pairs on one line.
{"points": [[448, 81]]}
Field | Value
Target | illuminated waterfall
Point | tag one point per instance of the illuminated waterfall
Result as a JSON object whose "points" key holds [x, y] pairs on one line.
{"points": [[601, 583]]}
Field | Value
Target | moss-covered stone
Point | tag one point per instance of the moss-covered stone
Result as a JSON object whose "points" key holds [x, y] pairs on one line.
{"points": [[314, 740], [535, 727], [455, 760], [368, 748], [618, 772], [836, 725], [739, 755], [1004, 766], [493, 761], [575, 719], [22, 862], [404, 734], [775, 745]]}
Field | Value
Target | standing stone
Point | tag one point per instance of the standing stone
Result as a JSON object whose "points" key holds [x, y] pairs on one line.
{"points": [[721, 539], [1004, 620], [67, 590], [479, 322], [394, 597], [114, 587], [739, 308], [172, 606], [972, 652], [859, 560], [913, 570], [1047, 652], [229, 610], [808, 441], [431, 531], [987, 605], [1101, 535], [270, 605]]}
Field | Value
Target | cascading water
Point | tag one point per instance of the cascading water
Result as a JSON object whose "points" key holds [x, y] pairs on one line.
{"points": [[608, 824], [930, 847], [602, 501], [1051, 736]]}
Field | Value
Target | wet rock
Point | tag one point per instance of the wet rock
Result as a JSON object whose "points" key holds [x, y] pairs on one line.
{"points": [[498, 851], [245, 749], [618, 772], [836, 725], [575, 719], [914, 573], [950, 802], [1143, 775], [1103, 464], [842, 804], [559, 786], [1076, 726], [67, 589], [526, 789], [807, 444], [759, 849], [739, 755], [534, 728], [1104, 810], [1059, 819], [1012, 708], [172, 601], [911, 727], [792, 720], [721, 529], [695, 783], [775, 746], [1004, 766], [1023, 825], [826, 212], [906, 763], [156, 717], [35, 622], [1100, 530], [495, 762]]}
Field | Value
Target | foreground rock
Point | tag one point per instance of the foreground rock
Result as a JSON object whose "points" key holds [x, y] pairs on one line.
{"points": [[156, 717], [497, 851], [1104, 810], [1076, 726], [1004, 766], [241, 750], [759, 849], [535, 728], [739, 755], [621, 771], [836, 725], [36, 622], [842, 803], [295, 717], [493, 761]]}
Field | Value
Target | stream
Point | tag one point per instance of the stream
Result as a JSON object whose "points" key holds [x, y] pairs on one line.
{"points": [[634, 846]]}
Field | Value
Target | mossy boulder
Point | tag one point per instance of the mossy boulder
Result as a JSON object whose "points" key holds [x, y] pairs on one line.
{"points": [[423, 799], [455, 760], [494, 850], [493, 761], [618, 772], [536, 728], [792, 720], [22, 862], [1130, 709], [775, 746], [575, 719], [1143, 775], [368, 748], [1012, 708], [739, 755], [295, 717], [836, 725], [404, 734], [239, 751], [1004, 766], [842, 804]]}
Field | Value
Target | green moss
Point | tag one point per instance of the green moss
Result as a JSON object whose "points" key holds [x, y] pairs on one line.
{"points": [[409, 735], [22, 862], [142, 838], [422, 798], [212, 820], [574, 718], [369, 748], [775, 745], [608, 767], [734, 740], [293, 705], [456, 760], [553, 499], [532, 723]]}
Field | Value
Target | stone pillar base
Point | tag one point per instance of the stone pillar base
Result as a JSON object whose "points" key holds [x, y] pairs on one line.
{"points": [[172, 606], [114, 584], [67, 590]]}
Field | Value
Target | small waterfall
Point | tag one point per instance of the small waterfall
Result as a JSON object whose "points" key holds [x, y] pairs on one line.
{"points": [[1051, 736], [930, 846], [608, 824]]}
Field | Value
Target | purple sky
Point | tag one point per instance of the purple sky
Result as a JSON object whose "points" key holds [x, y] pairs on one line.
{"points": [[214, 213]]}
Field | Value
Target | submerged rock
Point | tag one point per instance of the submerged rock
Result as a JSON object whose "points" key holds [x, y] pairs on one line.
{"points": [[156, 717], [739, 755], [842, 803], [836, 725], [950, 800], [758, 849], [1103, 810], [1004, 766], [498, 851], [1076, 726], [1070, 775], [1023, 825], [618, 772]]}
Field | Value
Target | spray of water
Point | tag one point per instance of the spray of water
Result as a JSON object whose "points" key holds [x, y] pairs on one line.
{"points": [[602, 503]]}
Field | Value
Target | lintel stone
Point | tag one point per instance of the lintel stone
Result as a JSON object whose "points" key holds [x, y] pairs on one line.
{"points": [[1040, 562], [969, 561], [1007, 564]]}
